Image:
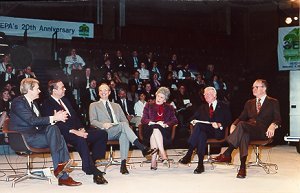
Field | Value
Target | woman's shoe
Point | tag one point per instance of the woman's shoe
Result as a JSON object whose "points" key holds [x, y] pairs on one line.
{"points": [[153, 167], [166, 163]]}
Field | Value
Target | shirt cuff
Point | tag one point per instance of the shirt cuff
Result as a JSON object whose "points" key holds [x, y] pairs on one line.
{"points": [[52, 122]]}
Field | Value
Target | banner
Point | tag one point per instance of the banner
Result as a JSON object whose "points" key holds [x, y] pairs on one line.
{"points": [[288, 48], [45, 28]]}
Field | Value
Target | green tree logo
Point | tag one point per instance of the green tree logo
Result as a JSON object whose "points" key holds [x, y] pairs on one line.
{"points": [[291, 51], [84, 30]]}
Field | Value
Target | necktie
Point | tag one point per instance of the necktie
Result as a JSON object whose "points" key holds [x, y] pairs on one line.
{"points": [[109, 112], [258, 105], [62, 106], [34, 109], [211, 111]]}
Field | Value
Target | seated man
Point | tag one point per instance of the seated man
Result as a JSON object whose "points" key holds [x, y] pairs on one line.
{"points": [[215, 112], [74, 133], [39, 131], [259, 119], [110, 117]]}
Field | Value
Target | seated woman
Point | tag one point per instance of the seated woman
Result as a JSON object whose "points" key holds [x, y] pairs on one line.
{"points": [[158, 119]]}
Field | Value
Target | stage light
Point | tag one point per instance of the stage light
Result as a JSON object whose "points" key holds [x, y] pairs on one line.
{"points": [[288, 20]]}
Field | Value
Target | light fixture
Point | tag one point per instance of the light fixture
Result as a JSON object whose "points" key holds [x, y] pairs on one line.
{"points": [[288, 20]]}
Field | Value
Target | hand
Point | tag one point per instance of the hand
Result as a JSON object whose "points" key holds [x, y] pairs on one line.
{"points": [[60, 116], [215, 125], [80, 133], [271, 130], [232, 128], [107, 125], [193, 122]]}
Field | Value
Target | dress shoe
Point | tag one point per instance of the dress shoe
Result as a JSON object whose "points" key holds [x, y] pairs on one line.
{"points": [[123, 169], [222, 158], [153, 166], [199, 169], [185, 160], [147, 151], [241, 173], [68, 182], [99, 179], [63, 167]]}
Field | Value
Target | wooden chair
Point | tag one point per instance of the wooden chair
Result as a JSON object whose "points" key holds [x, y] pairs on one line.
{"points": [[258, 162], [18, 144], [140, 134]]}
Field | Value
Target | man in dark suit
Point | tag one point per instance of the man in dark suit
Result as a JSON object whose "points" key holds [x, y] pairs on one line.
{"points": [[218, 116], [74, 133], [8, 77], [40, 132], [258, 120], [89, 95]]}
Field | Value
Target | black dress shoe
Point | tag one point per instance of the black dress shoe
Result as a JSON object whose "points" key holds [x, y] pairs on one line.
{"points": [[222, 158], [123, 169], [185, 160], [241, 173], [99, 179], [199, 169], [147, 151]]}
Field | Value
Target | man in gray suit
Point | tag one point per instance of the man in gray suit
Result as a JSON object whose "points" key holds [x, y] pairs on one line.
{"points": [[110, 116]]}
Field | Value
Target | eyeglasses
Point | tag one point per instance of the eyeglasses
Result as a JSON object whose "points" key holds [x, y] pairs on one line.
{"points": [[257, 87]]}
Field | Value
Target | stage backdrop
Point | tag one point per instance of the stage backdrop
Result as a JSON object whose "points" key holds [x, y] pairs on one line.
{"points": [[45, 28], [288, 48]]}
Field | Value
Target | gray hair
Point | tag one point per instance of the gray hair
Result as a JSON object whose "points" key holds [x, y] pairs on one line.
{"points": [[163, 90], [210, 88], [26, 84]]}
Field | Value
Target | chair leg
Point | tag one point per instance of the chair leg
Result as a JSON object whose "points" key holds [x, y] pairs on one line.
{"points": [[259, 163], [27, 175]]}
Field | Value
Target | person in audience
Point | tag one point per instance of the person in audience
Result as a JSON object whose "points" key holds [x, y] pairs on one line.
{"points": [[75, 133], [158, 119], [134, 60], [110, 117], [132, 94], [155, 69], [139, 107], [119, 62], [12, 89], [144, 72], [40, 132], [107, 67], [27, 73], [171, 69], [258, 121], [218, 115], [150, 94], [73, 62], [5, 100], [8, 77], [136, 80], [4, 62], [127, 107], [113, 97], [89, 95], [186, 77], [155, 83]]}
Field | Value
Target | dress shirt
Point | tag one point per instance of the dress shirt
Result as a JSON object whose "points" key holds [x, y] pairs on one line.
{"points": [[112, 110]]}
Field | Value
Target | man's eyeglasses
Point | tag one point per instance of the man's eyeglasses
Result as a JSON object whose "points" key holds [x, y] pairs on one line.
{"points": [[257, 87]]}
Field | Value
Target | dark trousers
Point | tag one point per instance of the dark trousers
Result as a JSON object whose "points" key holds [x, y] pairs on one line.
{"points": [[201, 133], [96, 139], [52, 138], [243, 133]]}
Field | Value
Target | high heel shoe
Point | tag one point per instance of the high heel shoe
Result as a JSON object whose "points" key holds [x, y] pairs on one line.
{"points": [[166, 163], [153, 167]]}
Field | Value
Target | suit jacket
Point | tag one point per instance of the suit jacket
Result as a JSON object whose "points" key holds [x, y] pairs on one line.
{"points": [[269, 113], [221, 115], [73, 121], [130, 107], [24, 120], [150, 114], [99, 114], [13, 80], [86, 97]]}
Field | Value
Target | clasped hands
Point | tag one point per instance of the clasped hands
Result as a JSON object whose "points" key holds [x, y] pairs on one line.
{"points": [[80, 132], [60, 115]]}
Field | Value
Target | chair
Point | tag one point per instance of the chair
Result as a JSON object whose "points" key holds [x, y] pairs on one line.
{"points": [[140, 134], [18, 144], [212, 142], [258, 162]]}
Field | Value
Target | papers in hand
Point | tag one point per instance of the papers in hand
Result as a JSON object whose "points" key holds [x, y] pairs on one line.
{"points": [[199, 121]]}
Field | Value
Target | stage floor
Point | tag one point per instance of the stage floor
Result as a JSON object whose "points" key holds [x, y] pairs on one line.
{"points": [[176, 179]]}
